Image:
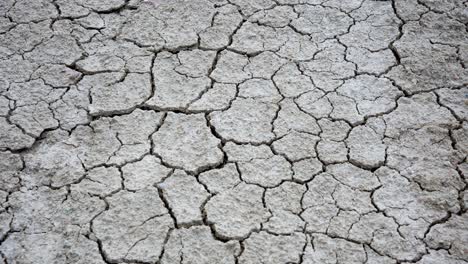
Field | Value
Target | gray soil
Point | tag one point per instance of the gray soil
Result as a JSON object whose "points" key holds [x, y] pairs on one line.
{"points": [[233, 131]]}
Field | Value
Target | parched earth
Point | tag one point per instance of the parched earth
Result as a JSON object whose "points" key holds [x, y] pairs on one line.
{"points": [[233, 131]]}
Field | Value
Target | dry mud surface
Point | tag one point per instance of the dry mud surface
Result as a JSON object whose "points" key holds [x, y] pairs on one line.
{"points": [[233, 131]]}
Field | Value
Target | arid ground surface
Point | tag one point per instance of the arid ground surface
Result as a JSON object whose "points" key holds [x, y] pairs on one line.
{"points": [[233, 131]]}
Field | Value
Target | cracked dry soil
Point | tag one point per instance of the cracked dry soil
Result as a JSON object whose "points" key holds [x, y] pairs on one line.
{"points": [[233, 131]]}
